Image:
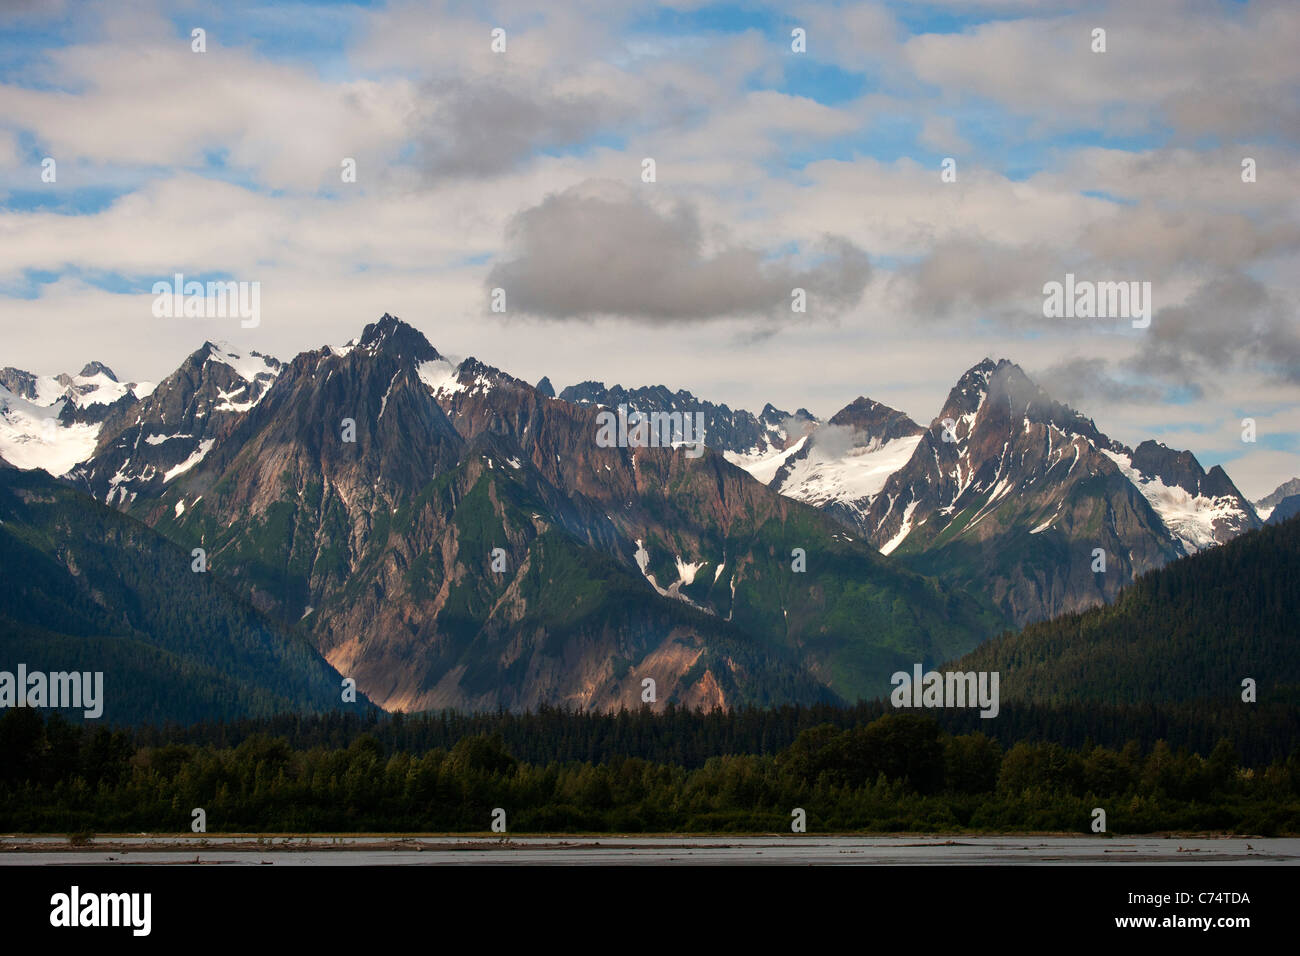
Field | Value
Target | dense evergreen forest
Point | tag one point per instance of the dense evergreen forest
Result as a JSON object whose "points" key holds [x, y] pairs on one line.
{"points": [[1194, 629], [890, 772], [1263, 732]]}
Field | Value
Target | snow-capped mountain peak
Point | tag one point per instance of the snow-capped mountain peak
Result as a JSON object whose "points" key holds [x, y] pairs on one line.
{"points": [[172, 426], [53, 421], [248, 365], [1199, 508], [844, 463]]}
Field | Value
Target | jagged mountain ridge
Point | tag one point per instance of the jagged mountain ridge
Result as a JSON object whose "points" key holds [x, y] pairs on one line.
{"points": [[1264, 506], [848, 471], [1008, 501], [843, 465], [1288, 507], [882, 475], [613, 559], [52, 421], [681, 520], [1017, 520], [742, 434], [143, 445], [1013, 492]]}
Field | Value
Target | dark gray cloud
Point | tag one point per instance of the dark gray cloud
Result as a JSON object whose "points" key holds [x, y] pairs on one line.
{"points": [[1231, 321], [483, 129], [1154, 240], [598, 249], [1081, 381], [1235, 111], [963, 274], [1231, 324]]}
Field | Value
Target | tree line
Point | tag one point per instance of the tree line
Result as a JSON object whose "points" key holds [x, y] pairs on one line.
{"points": [[895, 772]]}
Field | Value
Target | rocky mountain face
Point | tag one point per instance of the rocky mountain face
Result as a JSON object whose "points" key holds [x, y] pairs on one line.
{"points": [[95, 385], [290, 494], [744, 435], [703, 533], [142, 445], [843, 465], [1264, 506], [1014, 493], [451, 536], [1288, 507], [1008, 492], [1198, 508], [18, 382]]}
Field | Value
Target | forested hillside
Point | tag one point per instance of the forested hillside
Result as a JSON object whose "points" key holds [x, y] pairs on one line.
{"points": [[87, 588], [1191, 631]]}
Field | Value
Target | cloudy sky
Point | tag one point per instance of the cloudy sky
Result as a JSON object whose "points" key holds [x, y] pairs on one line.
{"points": [[774, 169]]}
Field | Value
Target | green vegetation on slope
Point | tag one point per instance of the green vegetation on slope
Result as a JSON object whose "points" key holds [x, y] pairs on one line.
{"points": [[87, 588], [1192, 630]]}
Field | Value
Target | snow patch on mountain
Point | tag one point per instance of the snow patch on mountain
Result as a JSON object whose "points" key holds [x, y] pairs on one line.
{"points": [[199, 454], [686, 572], [441, 377], [247, 366], [32, 433], [229, 405], [97, 389], [906, 529], [31, 436], [1039, 529], [1189, 518], [857, 476], [383, 406], [763, 465]]}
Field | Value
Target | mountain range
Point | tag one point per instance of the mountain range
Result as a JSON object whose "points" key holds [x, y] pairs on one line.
{"points": [[1006, 492], [451, 536]]}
